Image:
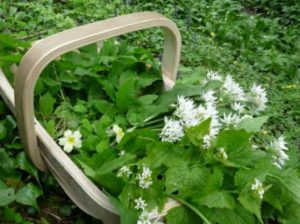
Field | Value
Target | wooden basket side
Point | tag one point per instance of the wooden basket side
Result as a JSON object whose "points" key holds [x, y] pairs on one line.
{"points": [[46, 50]]}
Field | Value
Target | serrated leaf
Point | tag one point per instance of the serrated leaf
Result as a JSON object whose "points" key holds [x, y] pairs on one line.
{"points": [[196, 133], [28, 194], [252, 124], [251, 203], [46, 104], [291, 181], [217, 199], [182, 176]]}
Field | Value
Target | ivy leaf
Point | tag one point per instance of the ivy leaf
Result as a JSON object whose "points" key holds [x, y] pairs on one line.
{"points": [[25, 164], [252, 124], [251, 203], [28, 194], [46, 104]]}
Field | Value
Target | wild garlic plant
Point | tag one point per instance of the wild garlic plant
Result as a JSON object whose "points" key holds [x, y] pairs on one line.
{"points": [[203, 145]]}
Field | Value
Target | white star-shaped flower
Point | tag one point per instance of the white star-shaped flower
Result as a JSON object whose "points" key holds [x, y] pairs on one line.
{"points": [[70, 140]]}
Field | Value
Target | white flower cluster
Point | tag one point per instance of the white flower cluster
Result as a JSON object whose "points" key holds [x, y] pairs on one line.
{"points": [[233, 89], [145, 180], [188, 114], [279, 147], [258, 188], [172, 131], [145, 219], [124, 171], [70, 140], [140, 203]]}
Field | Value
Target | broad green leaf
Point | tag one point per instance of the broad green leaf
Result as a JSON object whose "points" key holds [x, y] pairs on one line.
{"points": [[196, 133], [183, 176], [182, 215], [233, 139], [126, 94], [46, 104], [252, 124], [25, 164], [84, 72], [291, 181], [217, 199], [147, 99], [252, 204], [7, 196], [28, 194], [114, 164]]}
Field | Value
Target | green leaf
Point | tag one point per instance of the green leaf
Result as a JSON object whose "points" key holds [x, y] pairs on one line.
{"points": [[46, 104], [291, 181], [25, 164], [217, 199], [252, 124], [196, 133], [182, 215], [126, 94], [7, 196], [147, 99], [128, 216], [252, 204], [3, 131], [114, 164], [182, 176], [28, 194], [80, 109]]}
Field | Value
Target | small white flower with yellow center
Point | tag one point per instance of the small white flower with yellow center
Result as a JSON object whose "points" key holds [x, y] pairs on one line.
{"points": [[258, 188], [117, 131], [70, 140]]}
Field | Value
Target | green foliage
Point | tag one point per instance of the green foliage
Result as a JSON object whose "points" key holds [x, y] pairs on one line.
{"points": [[253, 40]]}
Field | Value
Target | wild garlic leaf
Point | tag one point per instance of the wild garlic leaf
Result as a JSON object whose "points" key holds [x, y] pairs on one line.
{"points": [[46, 104], [252, 124], [126, 94]]}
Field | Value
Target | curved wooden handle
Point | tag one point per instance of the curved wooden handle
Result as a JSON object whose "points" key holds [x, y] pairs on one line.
{"points": [[46, 50]]}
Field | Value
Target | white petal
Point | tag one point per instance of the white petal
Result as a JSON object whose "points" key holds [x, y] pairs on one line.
{"points": [[68, 133], [68, 148]]}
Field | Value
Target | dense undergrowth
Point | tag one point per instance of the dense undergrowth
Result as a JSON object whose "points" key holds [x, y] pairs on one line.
{"points": [[252, 40]]}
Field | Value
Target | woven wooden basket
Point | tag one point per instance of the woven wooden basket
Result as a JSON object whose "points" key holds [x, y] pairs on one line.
{"points": [[44, 152]]}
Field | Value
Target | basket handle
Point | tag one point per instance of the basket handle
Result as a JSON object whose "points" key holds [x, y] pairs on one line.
{"points": [[46, 50]]}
